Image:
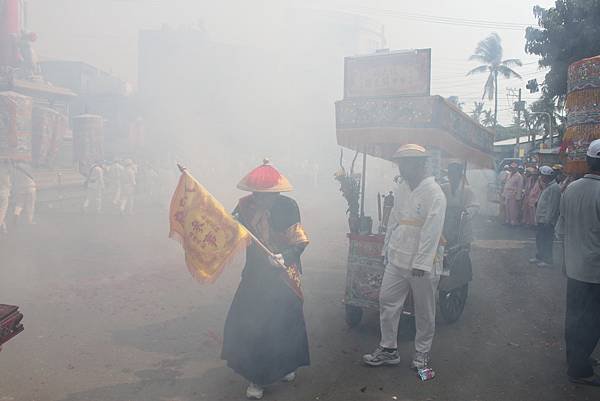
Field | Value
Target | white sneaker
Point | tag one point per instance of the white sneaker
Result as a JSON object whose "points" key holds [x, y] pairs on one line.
{"points": [[543, 264], [290, 377], [254, 392]]}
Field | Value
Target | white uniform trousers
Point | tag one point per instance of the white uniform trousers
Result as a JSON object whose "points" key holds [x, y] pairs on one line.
{"points": [[4, 198], [25, 202], [127, 199], [93, 194], [396, 286]]}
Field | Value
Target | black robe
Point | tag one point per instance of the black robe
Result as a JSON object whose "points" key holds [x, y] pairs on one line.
{"points": [[265, 333]]}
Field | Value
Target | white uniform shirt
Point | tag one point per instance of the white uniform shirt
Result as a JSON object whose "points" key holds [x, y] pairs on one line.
{"points": [[548, 206], [128, 178], [114, 174], [5, 182], [415, 228], [96, 178]]}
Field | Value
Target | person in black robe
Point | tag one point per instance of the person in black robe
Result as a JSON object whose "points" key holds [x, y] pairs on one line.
{"points": [[265, 337]]}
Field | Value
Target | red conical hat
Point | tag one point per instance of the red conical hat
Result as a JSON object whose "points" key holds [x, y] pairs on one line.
{"points": [[265, 178]]}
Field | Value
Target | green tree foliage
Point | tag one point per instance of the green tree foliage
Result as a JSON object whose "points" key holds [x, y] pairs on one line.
{"points": [[489, 52], [477, 111], [567, 32], [540, 121], [503, 133], [488, 119]]}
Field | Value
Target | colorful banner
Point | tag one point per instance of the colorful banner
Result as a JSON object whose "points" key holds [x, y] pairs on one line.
{"points": [[209, 235]]}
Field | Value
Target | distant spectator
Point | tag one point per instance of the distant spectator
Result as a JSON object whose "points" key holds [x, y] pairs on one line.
{"points": [[94, 187], [579, 225], [502, 177], [24, 190], [114, 172], [5, 184], [513, 194], [128, 184], [546, 216], [533, 189]]}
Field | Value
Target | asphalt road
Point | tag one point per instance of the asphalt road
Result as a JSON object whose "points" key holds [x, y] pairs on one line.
{"points": [[112, 314]]}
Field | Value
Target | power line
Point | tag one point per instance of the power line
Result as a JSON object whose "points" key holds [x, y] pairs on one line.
{"points": [[472, 23], [448, 20]]}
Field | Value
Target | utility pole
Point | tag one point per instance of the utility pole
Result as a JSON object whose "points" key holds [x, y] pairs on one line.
{"points": [[519, 107], [519, 119]]}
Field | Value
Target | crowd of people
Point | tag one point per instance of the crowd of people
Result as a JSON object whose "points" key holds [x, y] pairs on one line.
{"points": [[115, 181], [427, 219], [566, 208], [530, 197], [112, 182]]}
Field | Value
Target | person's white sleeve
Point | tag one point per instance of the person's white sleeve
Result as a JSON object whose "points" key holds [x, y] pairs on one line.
{"points": [[555, 205], [560, 226], [392, 225], [431, 233]]}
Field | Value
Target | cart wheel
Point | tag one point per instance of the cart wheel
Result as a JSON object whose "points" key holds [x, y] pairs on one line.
{"points": [[452, 303], [353, 315]]}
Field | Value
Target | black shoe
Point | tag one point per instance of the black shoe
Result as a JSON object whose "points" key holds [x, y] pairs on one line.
{"points": [[593, 380]]}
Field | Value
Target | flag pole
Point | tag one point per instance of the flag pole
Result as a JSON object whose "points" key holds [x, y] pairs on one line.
{"points": [[258, 242]]}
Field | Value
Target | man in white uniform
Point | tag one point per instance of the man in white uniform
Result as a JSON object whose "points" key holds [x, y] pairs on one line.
{"points": [[128, 184], [95, 187], [413, 254], [25, 192], [5, 183], [113, 175]]}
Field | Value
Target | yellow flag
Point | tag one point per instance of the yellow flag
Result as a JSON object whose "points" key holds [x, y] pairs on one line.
{"points": [[209, 235]]}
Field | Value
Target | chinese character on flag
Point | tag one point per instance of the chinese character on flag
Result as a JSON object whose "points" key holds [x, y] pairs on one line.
{"points": [[209, 235]]}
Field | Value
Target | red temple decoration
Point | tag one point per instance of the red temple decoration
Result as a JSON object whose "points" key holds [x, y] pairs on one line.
{"points": [[583, 112], [15, 126], [11, 25]]}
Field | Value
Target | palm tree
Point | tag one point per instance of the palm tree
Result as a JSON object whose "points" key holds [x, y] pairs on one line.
{"points": [[477, 111], [488, 119], [489, 52], [537, 120]]}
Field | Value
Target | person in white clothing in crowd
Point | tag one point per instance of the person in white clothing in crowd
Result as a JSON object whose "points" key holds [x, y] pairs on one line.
{"points": [[5, 184], [113, 180], [24, 192], [94, 187], [128, 184], [413, 255]]}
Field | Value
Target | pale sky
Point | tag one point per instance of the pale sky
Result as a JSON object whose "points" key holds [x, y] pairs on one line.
{"points": [[104, 32]]}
